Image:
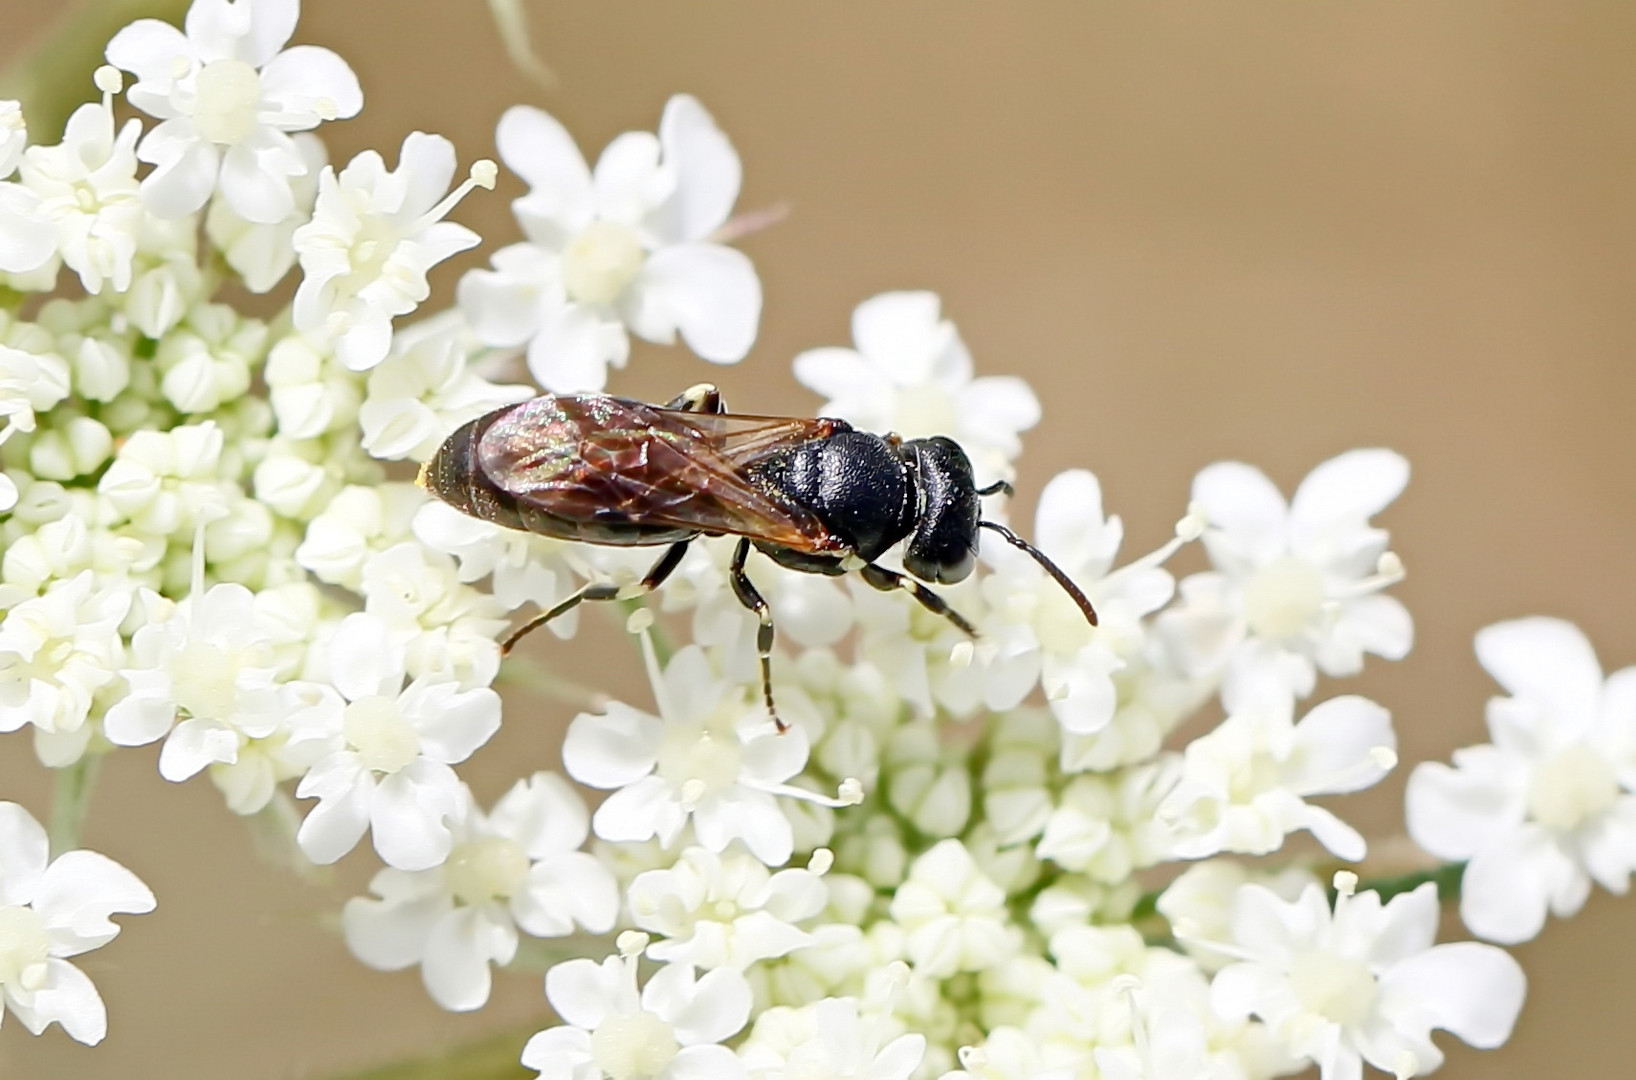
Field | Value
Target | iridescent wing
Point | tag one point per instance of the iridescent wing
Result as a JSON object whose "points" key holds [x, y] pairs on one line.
{"points": [[596, 458]]}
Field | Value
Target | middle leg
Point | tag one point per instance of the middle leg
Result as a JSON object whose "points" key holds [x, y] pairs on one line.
{"points": [[750, 598], [605, 590]]}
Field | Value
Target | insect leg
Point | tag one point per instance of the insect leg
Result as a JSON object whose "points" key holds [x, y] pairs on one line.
{"points": [[747, 595], [701, 398], [885, 580], [999, 487], [605, 590]]}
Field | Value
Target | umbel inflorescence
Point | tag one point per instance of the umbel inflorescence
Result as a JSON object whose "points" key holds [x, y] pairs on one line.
{"points": [[949, 865]]}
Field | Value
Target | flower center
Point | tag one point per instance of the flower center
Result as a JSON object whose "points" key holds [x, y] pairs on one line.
{"points": [[1283, 598], [24, 948], [487, 869], [1572, 788], [205, 680], [694, 759], [600, 262], [382, 738], [1334, 987], [227, 95], [633, 1047]]}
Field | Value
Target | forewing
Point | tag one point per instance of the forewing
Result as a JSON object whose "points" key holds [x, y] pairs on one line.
{"points": [[595, 458]]}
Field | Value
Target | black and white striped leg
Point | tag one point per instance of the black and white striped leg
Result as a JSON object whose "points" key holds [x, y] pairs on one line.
{"points": [[605, 590], [886, 580], [747, 595]]}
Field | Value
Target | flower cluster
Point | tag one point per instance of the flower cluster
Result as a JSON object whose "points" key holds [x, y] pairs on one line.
{"points": [[943, 857]]}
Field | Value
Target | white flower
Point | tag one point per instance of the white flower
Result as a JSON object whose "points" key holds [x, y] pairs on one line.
{"points": [[448, 627], [424, 389], [163, 482], [953, 916], [670, 1031], [1296, 586], [624, 248], [56, 652], [911, 374], [519, 867], [1364, 983], [828, 1040], [228, 93], [1037, 633], [51, 909], [1199, 904], [393, 776], [725, 910], [1243, 786], [206, 662], [373, 236], [1548, 807], [710, 756], [77, 199]]}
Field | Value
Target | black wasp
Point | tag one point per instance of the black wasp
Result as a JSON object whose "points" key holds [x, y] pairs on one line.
{"points": [[814, 495]]}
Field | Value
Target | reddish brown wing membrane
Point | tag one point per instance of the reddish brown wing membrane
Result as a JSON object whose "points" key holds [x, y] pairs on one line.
{"points": [[596, 458]]}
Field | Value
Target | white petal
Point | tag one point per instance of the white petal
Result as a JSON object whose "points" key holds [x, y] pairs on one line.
{"points": [[573, 349], [561, 1053], [77, 894], [24, 850], [364, 662], [149, 48], [901, 333], [708, 172], [1549, 661], [539, 149], [336, 824], [409, 812], [566, 889], [839, 374], [367, 338], [1505, 890], [1336, 744], [1069, 524], [504, 307], [639, 812], [391, 935], [1471, 990], [708, 292], [543, 814], [27, 240], [1452, 813], [195, 744], [584, 992], [613, 749], [1346, 491], [458, 952], [452, 723], [301, 79], [627, 180], [68, 998], [255, 178], [713, 1009], [186, 175], [1244, 505], [254, 32]]}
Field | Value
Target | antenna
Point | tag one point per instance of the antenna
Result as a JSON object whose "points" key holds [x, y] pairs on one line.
{"points": [[1050, 567]]}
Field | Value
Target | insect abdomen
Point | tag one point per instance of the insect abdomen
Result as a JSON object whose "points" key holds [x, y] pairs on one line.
{"points": [[453, 475]]}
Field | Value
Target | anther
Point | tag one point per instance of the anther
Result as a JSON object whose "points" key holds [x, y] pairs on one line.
{"points": [[851, 791], [1346, 882], [108, 79], [631, 943], [821, 862], [484, 173], [640, 620]]}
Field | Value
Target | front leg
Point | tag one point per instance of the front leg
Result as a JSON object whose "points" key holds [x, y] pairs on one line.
{"points": [[701, 398], [886, 581]]}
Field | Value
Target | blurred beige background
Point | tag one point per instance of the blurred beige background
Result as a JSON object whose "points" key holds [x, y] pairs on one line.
{"points": [[1202, 231]]}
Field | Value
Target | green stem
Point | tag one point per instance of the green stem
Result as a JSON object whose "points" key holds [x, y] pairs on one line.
{"points": [[53, 77], [493, 1057], [70, 799]]}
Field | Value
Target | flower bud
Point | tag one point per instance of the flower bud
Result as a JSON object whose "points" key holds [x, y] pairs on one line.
{"points": [[101, 369], [288, 484], [78, 448], [158, 298]]}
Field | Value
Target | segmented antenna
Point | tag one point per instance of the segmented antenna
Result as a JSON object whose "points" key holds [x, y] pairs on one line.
{"points": [[1050, 567]]}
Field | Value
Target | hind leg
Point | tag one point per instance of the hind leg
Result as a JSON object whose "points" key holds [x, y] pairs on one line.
{"points": [[747, 595], [603, 590]]}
